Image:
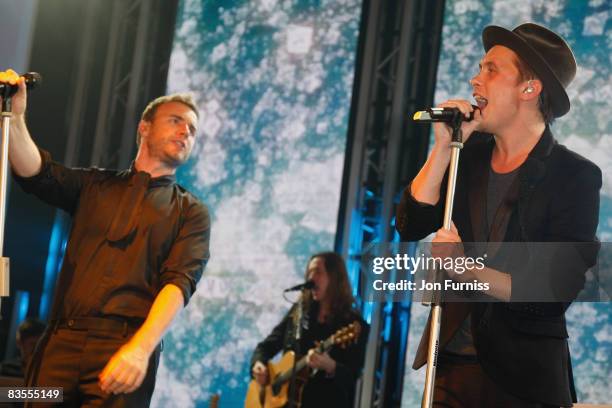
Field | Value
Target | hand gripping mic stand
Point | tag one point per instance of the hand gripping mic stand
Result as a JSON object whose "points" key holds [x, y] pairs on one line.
{"points": [[436, 301], [6, 92]]}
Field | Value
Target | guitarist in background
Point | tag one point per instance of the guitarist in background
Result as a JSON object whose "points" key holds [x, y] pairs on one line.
{"points": [[327, 308]]}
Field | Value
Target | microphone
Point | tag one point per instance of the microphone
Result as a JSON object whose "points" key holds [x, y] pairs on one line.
{"points": [[32, 80], [442, 115], [306, 285]]}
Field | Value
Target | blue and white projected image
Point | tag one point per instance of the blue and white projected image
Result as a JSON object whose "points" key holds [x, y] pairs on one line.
{"points": [[586, 129], [274, 81]]}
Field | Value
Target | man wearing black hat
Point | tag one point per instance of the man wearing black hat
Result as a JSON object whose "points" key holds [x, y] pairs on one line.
{"points": [[515, 184]]}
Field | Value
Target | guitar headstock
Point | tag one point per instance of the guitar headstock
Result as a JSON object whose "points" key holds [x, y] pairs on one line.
{"points": [[214, 401], [347, 335]]}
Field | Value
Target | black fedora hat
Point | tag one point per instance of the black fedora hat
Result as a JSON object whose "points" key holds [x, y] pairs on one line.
{"points": [[546, 53]]}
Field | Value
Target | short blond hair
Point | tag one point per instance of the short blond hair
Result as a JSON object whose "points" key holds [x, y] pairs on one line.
{"points": [[149, 112]]}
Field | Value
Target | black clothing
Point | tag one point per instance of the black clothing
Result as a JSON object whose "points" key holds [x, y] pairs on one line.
{"points": [[74, 358], [109, 273], [320, 391], [522, 347], [497, 189], [461, 382], [12, 367], [131, 235]]}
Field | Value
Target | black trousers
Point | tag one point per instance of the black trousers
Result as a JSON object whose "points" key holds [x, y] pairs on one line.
{"points": [[462, 383], [73, 359]]}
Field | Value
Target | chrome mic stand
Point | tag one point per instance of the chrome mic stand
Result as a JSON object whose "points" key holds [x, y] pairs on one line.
{"points": [[436, 301], [6, 94]]}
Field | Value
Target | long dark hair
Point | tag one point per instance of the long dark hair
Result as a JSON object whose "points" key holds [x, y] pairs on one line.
{"points": [[339, 289]]}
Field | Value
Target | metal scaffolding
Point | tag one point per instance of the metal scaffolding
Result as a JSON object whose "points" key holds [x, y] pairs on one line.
{"points": [[397, 64]]}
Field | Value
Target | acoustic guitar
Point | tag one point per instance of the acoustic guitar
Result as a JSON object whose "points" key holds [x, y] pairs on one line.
{"points": [[275, 393]]}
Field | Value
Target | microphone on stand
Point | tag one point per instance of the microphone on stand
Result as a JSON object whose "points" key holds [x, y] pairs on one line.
{"points": [[306, 285], [32, 80], [6, 92], [442, 115]]}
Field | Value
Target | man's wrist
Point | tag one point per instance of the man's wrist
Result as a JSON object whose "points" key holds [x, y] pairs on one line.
{"points": [[146, 346], [468, 275], [439, 147], [18, 121]]}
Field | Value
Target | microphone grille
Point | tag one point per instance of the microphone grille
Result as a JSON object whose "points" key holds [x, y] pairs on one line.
{"points": [[422, 116], [33, 79]]}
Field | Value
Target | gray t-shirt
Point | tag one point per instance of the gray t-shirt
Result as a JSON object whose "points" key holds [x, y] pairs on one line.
{"points": [[499, 184]]}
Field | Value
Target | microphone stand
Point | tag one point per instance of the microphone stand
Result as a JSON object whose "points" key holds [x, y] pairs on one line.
{"points": [[7, 93], [298, 337], [436, 299]]}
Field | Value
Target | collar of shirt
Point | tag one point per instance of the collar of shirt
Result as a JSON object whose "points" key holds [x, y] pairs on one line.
{"points": [[160, 181]]}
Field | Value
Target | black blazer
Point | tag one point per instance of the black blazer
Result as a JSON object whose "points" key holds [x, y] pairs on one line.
{"points": [[521, 346]]}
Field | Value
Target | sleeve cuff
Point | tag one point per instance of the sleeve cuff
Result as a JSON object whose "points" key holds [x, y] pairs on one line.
{"points": [[43, 173]]}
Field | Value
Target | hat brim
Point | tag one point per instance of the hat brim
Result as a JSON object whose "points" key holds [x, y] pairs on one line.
{"points": [[495, 35]]}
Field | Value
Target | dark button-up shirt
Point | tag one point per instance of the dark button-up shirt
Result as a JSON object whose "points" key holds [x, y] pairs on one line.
{"points": [[100, 276]]}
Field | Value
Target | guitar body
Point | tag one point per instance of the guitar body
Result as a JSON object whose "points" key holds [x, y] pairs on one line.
{"points": [[276, 393], [267, 397], [255, 396]]}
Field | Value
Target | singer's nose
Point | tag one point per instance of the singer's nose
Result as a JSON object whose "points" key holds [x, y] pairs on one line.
{"points": [[475, 81], [185, 129]]}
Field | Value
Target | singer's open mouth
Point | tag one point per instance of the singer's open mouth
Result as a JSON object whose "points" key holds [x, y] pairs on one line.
{"points": [[481, 101]]}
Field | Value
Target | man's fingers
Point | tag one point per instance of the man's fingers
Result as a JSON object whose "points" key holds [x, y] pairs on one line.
{"points": [[122, 380], [463, 105], [477, 115], [110, 376], [311, 358], [127, 380], [137, 382], [262, 379], [105, 374], [443, 236], [9, 76], [315, 360], [109, 384], [125, 383], [120, 388], [124, 371], [259, 368]]}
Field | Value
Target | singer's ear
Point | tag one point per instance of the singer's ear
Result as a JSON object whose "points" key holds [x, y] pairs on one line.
{"points": [[143, 127]]}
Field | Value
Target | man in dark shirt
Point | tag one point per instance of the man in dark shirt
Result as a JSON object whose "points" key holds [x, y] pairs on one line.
{"points": [[137, 248], [515, 184], [327, 308]]}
